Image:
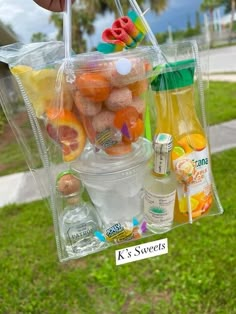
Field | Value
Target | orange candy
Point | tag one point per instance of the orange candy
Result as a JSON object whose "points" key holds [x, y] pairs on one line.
{"points": [[119, 149], [139, 87], [128, 121], [135, 131], [128, 115], [93, 86]]}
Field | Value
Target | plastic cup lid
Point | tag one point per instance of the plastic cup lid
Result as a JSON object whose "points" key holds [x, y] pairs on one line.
{"points": [[100, 163]]}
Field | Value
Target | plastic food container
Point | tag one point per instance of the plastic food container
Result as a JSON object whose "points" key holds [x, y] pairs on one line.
{"points": [[110, 93]]}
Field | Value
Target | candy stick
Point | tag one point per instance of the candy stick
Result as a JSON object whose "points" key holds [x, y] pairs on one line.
{"points": [[127, 24], [118, 36], [189, 206], [185, 169], [109, 48]]}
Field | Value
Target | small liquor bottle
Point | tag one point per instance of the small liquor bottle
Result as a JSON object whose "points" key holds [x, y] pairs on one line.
{"points": [[160, 187], [79, 219]]}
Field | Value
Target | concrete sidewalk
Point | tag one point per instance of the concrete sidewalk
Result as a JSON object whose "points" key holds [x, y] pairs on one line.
{"points": [[222, 77], [22, 188]]}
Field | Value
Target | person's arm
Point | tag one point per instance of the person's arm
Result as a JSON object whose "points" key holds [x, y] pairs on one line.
{"points": [[52, 5]]}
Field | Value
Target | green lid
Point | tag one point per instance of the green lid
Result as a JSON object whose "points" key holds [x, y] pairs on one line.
{"points": [[175, 75]]}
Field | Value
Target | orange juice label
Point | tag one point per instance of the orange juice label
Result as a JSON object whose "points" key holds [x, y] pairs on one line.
{"points": [[191, 165]]}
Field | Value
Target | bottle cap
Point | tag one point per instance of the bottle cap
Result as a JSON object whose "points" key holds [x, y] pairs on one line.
{"points": [[162, 143], [175, 75]]}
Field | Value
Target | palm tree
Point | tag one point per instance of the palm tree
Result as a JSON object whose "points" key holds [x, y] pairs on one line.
{"points": [[36, 37], [158, 6], [210, 6], [84, 14], [230, 6]]}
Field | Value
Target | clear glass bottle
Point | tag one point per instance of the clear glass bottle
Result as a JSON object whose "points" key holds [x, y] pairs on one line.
{"points": [[160, 187], [79, 219]]}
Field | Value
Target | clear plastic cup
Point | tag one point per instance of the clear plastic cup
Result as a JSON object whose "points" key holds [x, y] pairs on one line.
{"points": [[110, 94], [115, 184]]}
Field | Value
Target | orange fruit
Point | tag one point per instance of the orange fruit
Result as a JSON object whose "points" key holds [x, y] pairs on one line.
{"points": [[190, 142], [64, 128], [177, 152], [93, 86], [197, 141], [183, 142], [119, 149]]}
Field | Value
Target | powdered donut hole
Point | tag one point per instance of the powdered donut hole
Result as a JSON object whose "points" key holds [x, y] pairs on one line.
{"points": [[139, 104], [103, 120], [137, 72], [119, 98], [85, 106], [139, 87]]}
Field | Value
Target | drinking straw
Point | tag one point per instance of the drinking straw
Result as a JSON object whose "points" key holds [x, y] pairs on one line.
{"points": [[67, 28]]}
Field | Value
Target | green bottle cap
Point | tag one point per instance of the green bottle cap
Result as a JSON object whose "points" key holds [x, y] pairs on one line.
{"points": [[175, 75]]}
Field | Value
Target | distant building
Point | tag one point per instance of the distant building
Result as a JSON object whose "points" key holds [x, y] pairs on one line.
{"points": [[226, 19], [6, 37]]}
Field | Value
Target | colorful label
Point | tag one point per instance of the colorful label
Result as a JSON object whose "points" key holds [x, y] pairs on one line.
{"points": [[193, 174], [118, 232], [159, 208]]}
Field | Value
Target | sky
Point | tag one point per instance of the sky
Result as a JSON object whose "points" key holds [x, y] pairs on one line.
{"points": [[27, 18]]}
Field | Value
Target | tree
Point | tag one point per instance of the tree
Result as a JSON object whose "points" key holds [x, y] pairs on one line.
{"points": [[36, 37], [84, 14], [230, 6], [197, 22], [210, 6]]}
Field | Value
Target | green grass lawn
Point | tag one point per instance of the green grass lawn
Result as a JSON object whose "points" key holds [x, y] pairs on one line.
{"points": [[198, 275], [221, 102]]}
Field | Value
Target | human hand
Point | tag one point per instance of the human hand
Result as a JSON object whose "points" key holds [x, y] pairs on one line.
{"points": [[52, 5]]}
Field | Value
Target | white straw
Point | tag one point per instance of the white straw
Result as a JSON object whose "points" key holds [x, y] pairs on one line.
{"points": [[150, 34], [67, 28], [190, 218]]}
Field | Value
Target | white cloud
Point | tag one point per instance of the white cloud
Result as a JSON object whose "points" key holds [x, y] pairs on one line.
{"points": [[102, 22], [26, 18]]}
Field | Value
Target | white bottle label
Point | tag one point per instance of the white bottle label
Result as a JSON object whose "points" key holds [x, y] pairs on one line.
{"points": [[161, 163], [159, 208]]}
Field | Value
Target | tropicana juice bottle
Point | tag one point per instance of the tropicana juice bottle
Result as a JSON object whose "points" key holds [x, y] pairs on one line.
{"points": [[176, 115]]}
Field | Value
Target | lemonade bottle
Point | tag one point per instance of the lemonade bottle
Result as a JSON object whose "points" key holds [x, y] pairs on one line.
{"points": [[177, 116]]}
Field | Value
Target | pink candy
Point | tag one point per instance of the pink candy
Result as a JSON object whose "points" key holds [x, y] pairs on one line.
{"points": [[86, 106], [119, 98], [136, 73], [104, 120], [138, 104]]}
